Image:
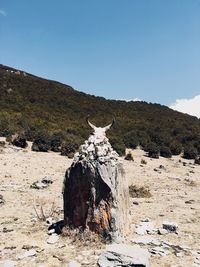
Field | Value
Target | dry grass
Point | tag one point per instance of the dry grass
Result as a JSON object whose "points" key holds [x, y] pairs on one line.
{"points": [[139, 192]]}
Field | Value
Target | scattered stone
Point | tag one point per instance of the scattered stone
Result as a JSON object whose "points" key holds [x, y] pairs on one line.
{"points": [[47, 180], [162, 167], [2, 200], [145, 240], [135, 203], [30, 253], [50, 221], [9, 263], [191, 201], [122, 255], [52, 231], [29, 247], [179, 254], [74, 264], [162, 231], [144, 227], [139, 192], [170, 226], [145, 220], [159, 251], [6, 230], [52, 239], [39, 185]]}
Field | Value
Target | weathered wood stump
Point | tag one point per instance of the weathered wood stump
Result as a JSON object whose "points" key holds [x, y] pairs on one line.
{"points": [[95, 188]]}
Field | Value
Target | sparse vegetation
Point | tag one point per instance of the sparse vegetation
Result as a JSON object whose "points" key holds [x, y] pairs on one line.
{"points": [[139, 192], [143, 161], [129, 156], [190, 152], [69, 147], [153, 150], [165, 152]]}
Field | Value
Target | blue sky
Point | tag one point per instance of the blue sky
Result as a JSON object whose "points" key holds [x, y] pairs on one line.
{"points": [[119, 49]]}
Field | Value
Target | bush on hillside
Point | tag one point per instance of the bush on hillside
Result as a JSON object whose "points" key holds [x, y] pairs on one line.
{"points": [[176, 148], [190, 152], [165, 152], [131, 140], [56, 141], [153, 150], [69, 146], [41, 143], [118, 145], [129, 156], [19, 141]]}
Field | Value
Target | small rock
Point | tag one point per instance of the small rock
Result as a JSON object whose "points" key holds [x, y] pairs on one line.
{"points": [[162, 167], [159, 251], [170, 226], [52, 231], [9, 263], [47, 180], [2, 200], [145, 220], [162, 231], [144, 240], [34, 219], [179, 254], [30, 253], [144, 227], [52, 239], [38, 185], [189, 201], [74, 264], [135, 203], [124, 255], [50, 221]]}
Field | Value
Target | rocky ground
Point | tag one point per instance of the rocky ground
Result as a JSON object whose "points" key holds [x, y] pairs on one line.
{"points": [[170, 190]]}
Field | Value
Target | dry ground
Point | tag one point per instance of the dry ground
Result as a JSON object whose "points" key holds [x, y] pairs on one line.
{"points": [[171, 187]]}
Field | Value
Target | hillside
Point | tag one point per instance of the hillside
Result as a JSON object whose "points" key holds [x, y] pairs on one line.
{"points": [[30, 105]]}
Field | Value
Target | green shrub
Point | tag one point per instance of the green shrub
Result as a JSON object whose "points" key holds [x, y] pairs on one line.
{"points": [[70, 146], [153, 150], [118, 145], [41, 143], [56, 141], [176, 148], [165, 152], [143, 161], [129, 156], [190, 152], [131, 140]]}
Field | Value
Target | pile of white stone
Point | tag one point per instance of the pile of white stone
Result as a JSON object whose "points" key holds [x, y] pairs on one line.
{"points": [[97, 147]]}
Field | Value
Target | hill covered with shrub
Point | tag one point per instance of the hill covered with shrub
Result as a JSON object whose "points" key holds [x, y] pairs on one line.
{"points": [[51, 114]]}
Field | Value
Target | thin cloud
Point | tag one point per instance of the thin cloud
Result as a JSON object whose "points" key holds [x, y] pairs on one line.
{"points": [[3, 13], [136, 99], [189, 106], [129, 100]]}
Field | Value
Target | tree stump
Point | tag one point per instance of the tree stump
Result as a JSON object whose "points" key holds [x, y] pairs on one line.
{"points": [[95, 191]]}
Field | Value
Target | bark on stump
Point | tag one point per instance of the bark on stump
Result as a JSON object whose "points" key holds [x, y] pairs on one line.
{"points": [[95, 189]]}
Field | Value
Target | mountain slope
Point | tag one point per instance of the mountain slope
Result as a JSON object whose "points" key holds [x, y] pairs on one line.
{"points": [[30, 104]]}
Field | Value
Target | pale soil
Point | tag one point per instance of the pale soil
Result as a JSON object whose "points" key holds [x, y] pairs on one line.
{"points": [[170, 188]]}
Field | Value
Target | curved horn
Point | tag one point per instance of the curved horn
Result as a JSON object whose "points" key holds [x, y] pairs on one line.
{"points": [[109, 125], [90, 124]]}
